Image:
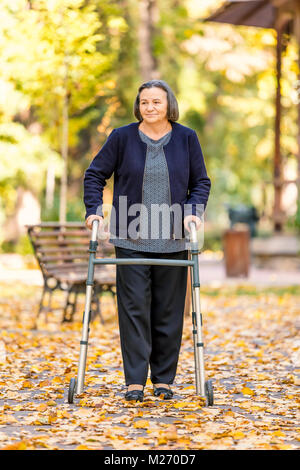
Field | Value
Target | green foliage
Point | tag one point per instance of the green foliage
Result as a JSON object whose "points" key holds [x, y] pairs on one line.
{"points": [[213, 240], [194, 119], [47, 51], [23, 246], [293, 222], [297, 217], [24, 157], [75, 210]]}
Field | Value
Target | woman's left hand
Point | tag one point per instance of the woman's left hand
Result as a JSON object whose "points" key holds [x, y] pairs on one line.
{"points": [[191, 218]]}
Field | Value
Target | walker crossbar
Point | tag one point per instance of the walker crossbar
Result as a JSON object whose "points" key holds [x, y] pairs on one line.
{"points": [[203, 388], [160, 262]]}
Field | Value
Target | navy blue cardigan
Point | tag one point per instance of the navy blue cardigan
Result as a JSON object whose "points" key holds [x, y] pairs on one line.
{"points": [[124, 155]]}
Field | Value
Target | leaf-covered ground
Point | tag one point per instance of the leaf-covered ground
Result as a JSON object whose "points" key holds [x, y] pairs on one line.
{"points": [[252, 355]]}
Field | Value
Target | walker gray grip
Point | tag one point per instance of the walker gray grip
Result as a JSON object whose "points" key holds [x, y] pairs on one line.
{"points": [[193, 237], [95, 226]]}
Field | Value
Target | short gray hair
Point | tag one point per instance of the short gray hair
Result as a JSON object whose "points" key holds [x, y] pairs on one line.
{"points": [[172, 111]]}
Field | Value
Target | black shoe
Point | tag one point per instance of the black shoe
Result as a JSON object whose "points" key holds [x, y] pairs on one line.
{"points": [[166, 392], [134, 395]]}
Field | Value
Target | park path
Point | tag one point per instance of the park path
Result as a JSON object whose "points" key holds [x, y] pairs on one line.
{"points": [[251, 353]]}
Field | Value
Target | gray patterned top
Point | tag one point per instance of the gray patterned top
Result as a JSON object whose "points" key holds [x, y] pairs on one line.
{"points": [[156, 191]]}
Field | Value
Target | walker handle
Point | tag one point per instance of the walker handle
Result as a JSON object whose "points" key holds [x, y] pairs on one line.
{"points": [[95, 226], [192, 226]]}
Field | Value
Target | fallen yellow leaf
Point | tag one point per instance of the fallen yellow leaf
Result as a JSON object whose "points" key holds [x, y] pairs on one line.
{"points": [[27, 384], [237, 435], [247, 391], [42, 407], [21, 445], [161, 440], [141, 424], [57, 380]]}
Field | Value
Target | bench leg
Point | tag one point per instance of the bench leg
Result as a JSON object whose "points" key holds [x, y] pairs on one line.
{"points": [[70, 306], [42, 306], [114, 295], [41, 301]]}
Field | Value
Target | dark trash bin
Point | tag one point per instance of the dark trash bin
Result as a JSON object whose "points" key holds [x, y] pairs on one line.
{"points": [[245, 215]]}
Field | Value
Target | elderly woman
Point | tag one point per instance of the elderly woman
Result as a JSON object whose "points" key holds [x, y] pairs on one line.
{"points": [[156, 163]]}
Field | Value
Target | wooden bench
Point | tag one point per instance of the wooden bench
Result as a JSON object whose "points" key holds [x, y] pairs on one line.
{"points": [[62, 254]]}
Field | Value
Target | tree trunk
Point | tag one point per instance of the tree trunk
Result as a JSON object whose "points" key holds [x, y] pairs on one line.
{"points": [[277, 153], [64, 153], [148, 13]]}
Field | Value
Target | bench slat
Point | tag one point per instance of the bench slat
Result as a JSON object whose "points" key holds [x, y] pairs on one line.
{"points": [[64, 242], [62, 233], [68, 266], [56, 224], [54, 249], [61, 257]]}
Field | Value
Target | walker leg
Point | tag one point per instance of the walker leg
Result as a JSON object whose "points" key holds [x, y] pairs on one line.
{"points": [[197, 378], [76, 386], [197, 320], [204, 389], [84, 340], [199, 344]]}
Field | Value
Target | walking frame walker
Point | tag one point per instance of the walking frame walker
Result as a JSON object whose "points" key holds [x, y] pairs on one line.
{"points": [[204, 388]]}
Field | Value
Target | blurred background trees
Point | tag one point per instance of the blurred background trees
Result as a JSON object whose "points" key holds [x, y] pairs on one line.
{"points": [[69, 74]]}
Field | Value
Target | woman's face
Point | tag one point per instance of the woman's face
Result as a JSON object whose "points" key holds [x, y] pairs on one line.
{"points": [[153, 105]]}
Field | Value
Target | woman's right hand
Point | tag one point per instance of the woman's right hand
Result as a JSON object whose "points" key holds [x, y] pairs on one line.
{"points": [[89, 221]]}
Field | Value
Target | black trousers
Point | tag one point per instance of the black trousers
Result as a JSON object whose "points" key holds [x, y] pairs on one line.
{"points": [[150, 302]]}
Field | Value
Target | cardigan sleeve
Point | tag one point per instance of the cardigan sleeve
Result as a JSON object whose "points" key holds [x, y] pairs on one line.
{"points": [[100, 170], [199, 182]]}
